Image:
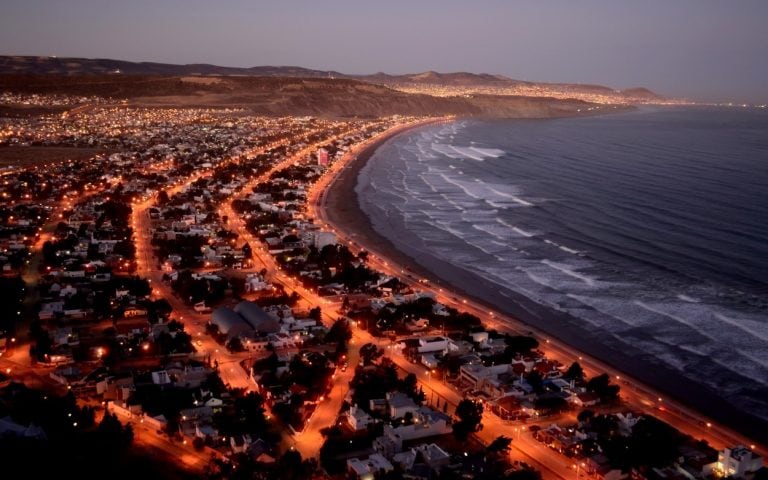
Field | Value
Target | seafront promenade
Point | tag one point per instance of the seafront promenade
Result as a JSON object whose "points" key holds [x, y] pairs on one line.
{"points": [[332, 192]]}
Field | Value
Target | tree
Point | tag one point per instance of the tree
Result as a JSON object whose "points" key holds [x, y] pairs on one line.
{"points": [[524, 474], [198, 443], [340, 332], [470, 414], [234, 344], [535, 380], [162, 198], [500, 445], [369, 353], [521, 343], [585, 415], [602, 386], [550, 405], [575, 372]]}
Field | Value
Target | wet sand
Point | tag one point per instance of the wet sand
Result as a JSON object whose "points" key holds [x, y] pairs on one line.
{"points": [[342, 208]]}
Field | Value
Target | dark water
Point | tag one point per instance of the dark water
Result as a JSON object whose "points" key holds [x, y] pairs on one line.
{"points": [[650, 227]]}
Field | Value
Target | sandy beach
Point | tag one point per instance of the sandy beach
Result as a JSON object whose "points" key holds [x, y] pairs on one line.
{"points": [[642, 383]]}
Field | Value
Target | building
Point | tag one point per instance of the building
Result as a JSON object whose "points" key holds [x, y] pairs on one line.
{"points": [[367, 469], [323, 239], [246, 320], [322, 157], [400, 404], [257, 318], [737, 462], [230, 323], [358, 419]]}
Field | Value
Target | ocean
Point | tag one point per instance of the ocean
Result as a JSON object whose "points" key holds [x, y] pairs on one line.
{"points": [[649, 229]]}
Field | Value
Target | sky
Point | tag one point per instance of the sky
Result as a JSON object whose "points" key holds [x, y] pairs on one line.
{"points": [[699, 49]]}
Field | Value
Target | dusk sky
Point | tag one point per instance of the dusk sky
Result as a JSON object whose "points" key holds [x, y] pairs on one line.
{"points": [[700, 49]]}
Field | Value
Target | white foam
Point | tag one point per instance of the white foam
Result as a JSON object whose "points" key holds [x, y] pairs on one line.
{"points": [[755, 359], [563, 268], [686, 298], [467, 152], [462, 186], [694, 350], [445, 150], [487, 229], [470, 152], [489, 152], [538, 279], [762, 335], [517, 230], [446, 227], [514, 198], [676, 318], [562, 247]]}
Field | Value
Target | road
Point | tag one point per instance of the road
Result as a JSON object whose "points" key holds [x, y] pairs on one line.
{"points": [[635, 394], [308, 441]]}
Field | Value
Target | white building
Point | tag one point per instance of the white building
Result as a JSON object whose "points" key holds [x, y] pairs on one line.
{"points": [[366, 469], [737, 462], [358, 419], [322, 239]]}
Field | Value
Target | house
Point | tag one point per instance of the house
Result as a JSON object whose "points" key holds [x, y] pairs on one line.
{"points": [[433, 455], [240, 443], [358, 301], [429, 360], [585, 399], [738, 462], [400, 404], [405, 459], [161, 377], [358, 419], [473, 375], [158, 422], [426, 423], [9, 428], [378, 405], [415, 325], [206, 431], [367, 469], [507, 408]]}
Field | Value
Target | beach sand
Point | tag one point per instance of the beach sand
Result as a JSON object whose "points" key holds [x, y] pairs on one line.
{"points": [[342, 209]]}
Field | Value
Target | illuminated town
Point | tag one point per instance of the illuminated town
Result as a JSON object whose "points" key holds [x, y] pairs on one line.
{"points": [[180, 284], [587, 93]]}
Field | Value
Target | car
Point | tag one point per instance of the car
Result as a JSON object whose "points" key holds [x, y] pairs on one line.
{"points": [[344, 367]]}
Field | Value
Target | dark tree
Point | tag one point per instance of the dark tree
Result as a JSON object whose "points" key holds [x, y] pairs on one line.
{"points": [[470, 414], [575, 372], [499, 446], [369, 353], [602, 386], [535, 380], [585, 415], [521, 343]]}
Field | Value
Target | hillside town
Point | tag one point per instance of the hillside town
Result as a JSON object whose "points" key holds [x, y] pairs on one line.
{"points": [[181, 292]]}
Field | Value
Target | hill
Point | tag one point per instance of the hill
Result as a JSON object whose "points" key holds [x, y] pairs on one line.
{"points": [[286, 96], [457, 83]]}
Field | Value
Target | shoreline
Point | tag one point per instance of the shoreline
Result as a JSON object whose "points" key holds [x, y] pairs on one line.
{"points": [[340, 207]]}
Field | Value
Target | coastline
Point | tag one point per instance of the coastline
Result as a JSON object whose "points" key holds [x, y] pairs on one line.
{"points": [[341, 208]]}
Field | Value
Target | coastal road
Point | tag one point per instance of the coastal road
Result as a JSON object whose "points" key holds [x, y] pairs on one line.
{"points": [[309, 441], [636, 395]]}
